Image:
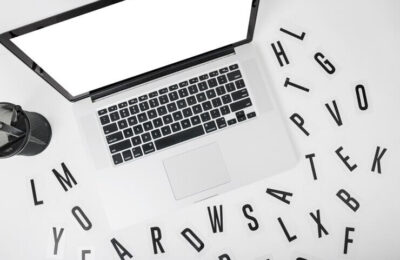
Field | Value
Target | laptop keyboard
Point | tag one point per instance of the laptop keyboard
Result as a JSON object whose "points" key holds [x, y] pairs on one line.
{"points": [[171, 115]]}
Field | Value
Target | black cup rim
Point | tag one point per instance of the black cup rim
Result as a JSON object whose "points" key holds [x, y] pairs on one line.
{"points": [[28, 129]]}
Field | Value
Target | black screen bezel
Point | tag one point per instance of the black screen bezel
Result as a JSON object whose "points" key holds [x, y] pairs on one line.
{"points": [[5, 40]]}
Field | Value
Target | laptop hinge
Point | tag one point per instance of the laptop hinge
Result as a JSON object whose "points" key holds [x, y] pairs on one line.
{"points": [[158, 73]]}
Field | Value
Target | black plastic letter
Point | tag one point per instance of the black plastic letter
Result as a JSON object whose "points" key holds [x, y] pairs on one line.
{"points": [[352, 203], [253, 226], [345, 159], [121, 251], [325, 63], [299, 122], [216, 219], [199, 246], [280, 53]]}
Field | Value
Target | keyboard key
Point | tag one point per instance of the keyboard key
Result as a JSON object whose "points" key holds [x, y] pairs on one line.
{"points": [[162, 111], [234, 67], [176, 127], [137, 152], [133, 101], [193, 80], [172, 107], [251, 115], [117, 158], [232, 122], [181, 103], [192, 90], [216, 102], [108, 129], [112, 108], [128, 132], [183, 84], [240, 84], [136, 140], [212, 83], [142, 117], [152, 114], [240, 116], [166, 130], [222, 79], [143, 98], [167, 119], [207, 105], [240, 104], [153, 94], [146, 137], [179, 137], [230, 87], [234, 75], [163, 99], [163, 91], [113, 138], [225, 110], [203, 86], [187, 112], [154, 102], [177, 116], [158, 122], [195, 120], [148, 126], [211, 94], [205, 117], [114, 116], [240, 94], [183, 93], [226, 99], [203, 77], [102, 112], [185, 123], [221, 123], [214, 74], [197, 109], [105, 120], [138, 129], [120, 146], [132, 120], [210, 126], [122, 124], [191, 101], [156, 134], [221, 90], [201, 97], [173, 96], [123, 105], [124, 112], [134, 109], [148, 148], [144, 106], [223, 70], [127, 155], [215, 113], [173, 87]]}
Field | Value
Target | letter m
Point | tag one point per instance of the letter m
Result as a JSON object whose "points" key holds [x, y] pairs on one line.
{"points": [[65, 180]]}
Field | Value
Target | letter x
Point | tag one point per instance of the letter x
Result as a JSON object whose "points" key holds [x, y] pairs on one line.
{"points": [[317, 220]]}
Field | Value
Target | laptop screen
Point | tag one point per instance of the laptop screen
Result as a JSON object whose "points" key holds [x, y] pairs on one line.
{"points": [[133, 37]]}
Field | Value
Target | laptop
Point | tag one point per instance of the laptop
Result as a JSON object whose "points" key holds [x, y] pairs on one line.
{"points": [[171, 97]]}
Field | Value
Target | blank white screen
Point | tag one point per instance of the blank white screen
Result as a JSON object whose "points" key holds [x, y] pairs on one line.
{"points": [[133, 37]]}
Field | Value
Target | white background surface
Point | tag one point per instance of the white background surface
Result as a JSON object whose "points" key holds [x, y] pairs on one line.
{"points": [[360, 37]]}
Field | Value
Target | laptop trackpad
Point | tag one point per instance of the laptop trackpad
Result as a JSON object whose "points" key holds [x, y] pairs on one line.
{"points": [[196, 171]]}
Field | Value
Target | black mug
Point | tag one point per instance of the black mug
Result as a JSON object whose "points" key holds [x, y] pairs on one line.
{"points": [[22, 132]]}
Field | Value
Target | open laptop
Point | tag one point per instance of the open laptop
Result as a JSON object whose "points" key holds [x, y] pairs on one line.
{"points": [[171, 97]]}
